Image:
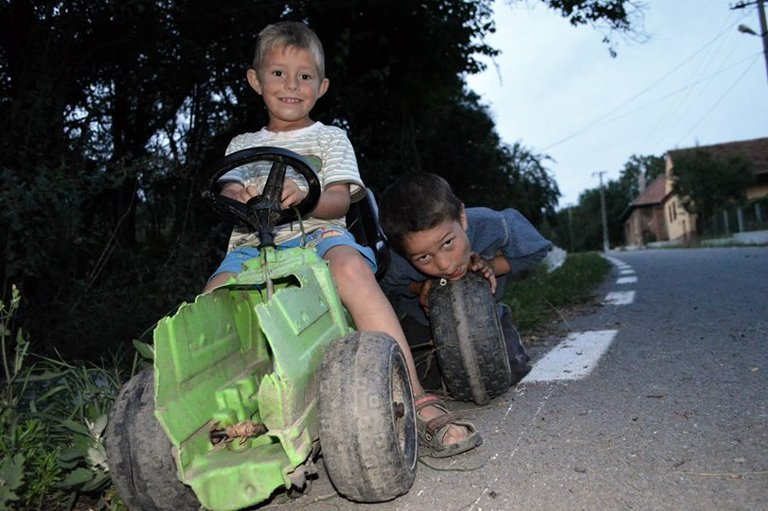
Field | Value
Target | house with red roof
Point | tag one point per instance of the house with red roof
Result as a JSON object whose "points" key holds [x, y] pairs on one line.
{"points": [[644, 220], [657, 214]]}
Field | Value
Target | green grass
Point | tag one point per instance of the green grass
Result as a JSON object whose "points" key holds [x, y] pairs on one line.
{"points": [[540, 297]]}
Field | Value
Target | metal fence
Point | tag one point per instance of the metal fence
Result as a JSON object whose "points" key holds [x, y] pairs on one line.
{"points": [[752, 216]]}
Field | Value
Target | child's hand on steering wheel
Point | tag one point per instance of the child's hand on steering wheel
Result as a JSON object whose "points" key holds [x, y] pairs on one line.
{"points": [[239, 192], [479, 265], [292, 194]]}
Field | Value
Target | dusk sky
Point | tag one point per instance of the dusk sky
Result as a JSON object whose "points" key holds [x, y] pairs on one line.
{"points": [[697, 80]]}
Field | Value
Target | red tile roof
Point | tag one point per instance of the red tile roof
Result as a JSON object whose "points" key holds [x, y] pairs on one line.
{"points": [[756, 151], [653, 194]]}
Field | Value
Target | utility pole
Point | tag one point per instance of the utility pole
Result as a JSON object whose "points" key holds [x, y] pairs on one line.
{"points": [[602, 210], [763, 26]]}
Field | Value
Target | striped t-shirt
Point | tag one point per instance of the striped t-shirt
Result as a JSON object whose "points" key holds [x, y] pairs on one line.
{"points": [[326, 147]]}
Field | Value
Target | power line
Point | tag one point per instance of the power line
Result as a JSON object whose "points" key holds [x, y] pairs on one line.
{"points": [[673, 116], [655, 101], [709, 110], [643, 91]]}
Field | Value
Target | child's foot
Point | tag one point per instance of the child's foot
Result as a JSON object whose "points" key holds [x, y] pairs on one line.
{"points": [[441, 432]]}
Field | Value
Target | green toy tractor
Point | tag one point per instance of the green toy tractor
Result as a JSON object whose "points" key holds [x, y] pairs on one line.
{"points": [[255, 380]]}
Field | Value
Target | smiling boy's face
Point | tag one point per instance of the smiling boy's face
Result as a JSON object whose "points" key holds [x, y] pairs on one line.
{"points": [[290, 84], [442, 251]]}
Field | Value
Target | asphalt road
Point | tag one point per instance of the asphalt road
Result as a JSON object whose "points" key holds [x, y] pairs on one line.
{"points": [[674, 415]]}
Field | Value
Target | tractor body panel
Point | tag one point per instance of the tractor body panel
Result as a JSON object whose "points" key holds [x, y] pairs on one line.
{"points": [[247, 352]]}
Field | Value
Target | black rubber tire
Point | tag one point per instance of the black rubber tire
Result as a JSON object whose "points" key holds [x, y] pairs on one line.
{"points": [[369, 446], [139, 452], [470, 345]]}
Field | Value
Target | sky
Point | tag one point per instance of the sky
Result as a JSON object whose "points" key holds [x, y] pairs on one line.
{"points": [[696, 80]]}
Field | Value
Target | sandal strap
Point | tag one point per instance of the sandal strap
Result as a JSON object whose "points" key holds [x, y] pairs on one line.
{"points": [[426, 400], [435, 424]]}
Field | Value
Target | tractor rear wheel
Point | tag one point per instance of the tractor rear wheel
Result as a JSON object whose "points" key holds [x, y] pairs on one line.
{"points": [[139, 453]]}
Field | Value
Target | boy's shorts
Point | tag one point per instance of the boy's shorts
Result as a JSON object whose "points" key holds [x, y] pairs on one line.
{"points": [[322, 240]]}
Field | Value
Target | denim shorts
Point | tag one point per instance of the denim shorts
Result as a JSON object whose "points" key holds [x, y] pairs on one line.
{"points": [[321, 240]]}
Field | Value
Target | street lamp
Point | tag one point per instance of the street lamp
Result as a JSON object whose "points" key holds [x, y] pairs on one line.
{"points": [[747, 30], [763, 29]]}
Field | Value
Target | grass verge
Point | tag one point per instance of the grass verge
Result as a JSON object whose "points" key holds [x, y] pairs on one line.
{"points": [[540, 297]]}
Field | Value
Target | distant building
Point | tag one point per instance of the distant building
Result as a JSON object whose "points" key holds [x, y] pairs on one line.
{"points": [[644, 219], [657, 214]]}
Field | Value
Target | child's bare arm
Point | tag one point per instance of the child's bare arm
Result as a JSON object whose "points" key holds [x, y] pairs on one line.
{"points": [[333, 203], [485, 268], [500, 265], [232, 190]]}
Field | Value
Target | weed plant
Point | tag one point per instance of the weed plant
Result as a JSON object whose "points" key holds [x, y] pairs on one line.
{"points": [[52, 422]]}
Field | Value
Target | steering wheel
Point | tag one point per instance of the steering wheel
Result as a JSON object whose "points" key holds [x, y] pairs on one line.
{"points": [[262, 213]]}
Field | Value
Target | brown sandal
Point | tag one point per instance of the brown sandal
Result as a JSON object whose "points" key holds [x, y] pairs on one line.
{"points": [[432, 431]]}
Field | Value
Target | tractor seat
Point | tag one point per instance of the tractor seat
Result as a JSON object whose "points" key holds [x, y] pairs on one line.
{"points": [[363, 223]]}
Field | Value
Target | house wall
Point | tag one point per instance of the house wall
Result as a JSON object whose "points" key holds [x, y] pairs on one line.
{"points": [[757, 192], [632, 229], [670, 222], [644, 225], [657, 224], [680, 225]]}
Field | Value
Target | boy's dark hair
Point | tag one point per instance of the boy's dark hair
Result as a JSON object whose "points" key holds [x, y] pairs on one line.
{"points": [[414, 203], [289, 34]]}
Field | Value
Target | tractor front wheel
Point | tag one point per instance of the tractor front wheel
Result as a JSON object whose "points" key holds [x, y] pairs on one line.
{"points": [[367, 418], [469, 340]]}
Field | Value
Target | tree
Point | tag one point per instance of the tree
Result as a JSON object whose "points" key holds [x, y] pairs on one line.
{"points": [[705, 182], [649, 167], [580, 227], [113, 111]]}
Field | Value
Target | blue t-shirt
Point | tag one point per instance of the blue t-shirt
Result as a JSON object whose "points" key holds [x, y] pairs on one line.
{"points": [[490, 233]]}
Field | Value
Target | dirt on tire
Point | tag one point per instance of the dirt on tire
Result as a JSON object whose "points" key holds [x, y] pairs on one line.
{"points": [[468, 339], [367, 418], [139, 453]]}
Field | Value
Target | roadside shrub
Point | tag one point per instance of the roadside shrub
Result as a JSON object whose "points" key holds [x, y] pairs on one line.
{"points": [[52, 422]]}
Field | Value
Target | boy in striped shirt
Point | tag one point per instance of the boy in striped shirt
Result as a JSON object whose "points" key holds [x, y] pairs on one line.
{"points": [[288, 72]]}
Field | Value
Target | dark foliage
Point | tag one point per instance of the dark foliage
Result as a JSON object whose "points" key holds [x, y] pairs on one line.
{"points": [[707, 183], [112, 112]]}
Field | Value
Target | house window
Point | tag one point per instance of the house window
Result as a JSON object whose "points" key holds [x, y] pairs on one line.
{"points": [[674, 210]]}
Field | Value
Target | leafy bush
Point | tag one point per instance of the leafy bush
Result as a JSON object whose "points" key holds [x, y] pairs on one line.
{"points": [[28, 470], [52, 422], [29, 464]]}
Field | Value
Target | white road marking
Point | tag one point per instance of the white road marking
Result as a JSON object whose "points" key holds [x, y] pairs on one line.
{"points": [[574, 358], [626, 280], [617, 262], [628, 271], [619, 298]]}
